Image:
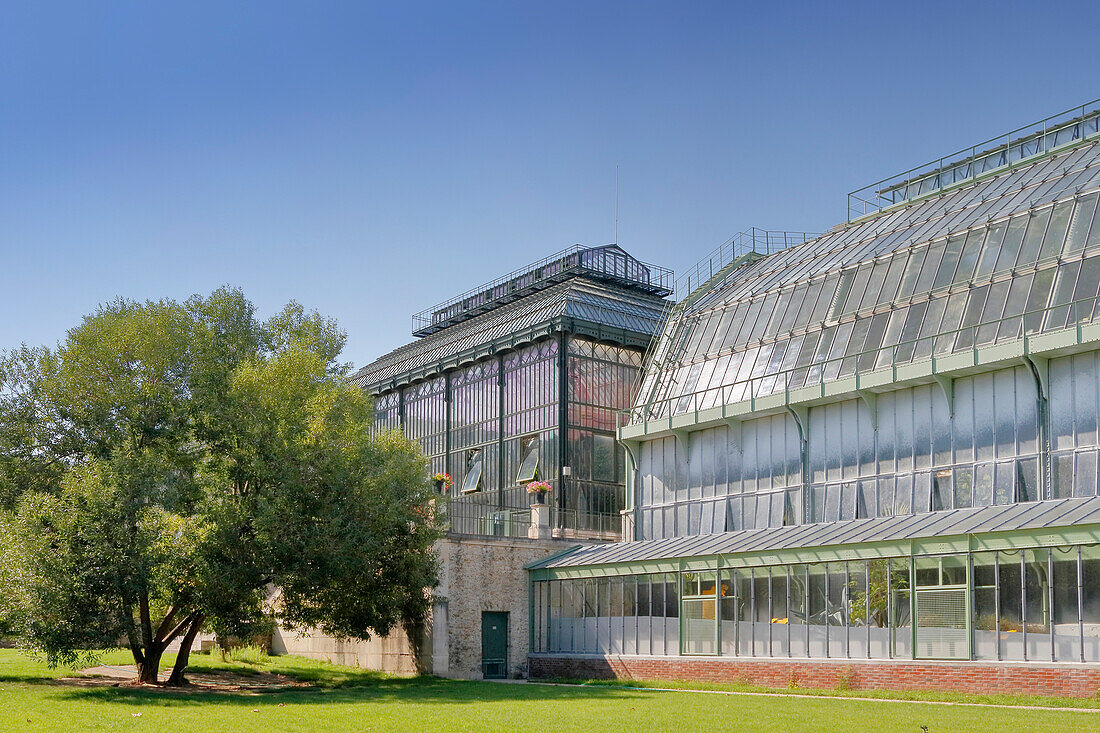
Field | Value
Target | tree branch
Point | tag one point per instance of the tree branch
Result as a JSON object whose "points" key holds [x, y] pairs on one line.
{"points": [[177, 629], [166, 623]]}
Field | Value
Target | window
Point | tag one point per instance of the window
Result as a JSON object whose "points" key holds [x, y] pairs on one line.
{"points": [[529, 466], [473, 472], [603, 458]]}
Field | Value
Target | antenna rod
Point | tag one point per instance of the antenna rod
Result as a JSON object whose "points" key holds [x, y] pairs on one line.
{"points": [[616, 203]]}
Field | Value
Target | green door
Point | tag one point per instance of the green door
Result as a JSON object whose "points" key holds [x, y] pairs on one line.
{"points": [[494, 645]]}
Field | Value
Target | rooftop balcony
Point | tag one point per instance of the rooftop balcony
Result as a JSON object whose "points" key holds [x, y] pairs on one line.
{"points": [[609, 264], [1021, 145]]}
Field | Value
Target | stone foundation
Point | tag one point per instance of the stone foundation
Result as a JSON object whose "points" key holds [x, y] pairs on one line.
{"points": [[476, 574], [983, 678]]}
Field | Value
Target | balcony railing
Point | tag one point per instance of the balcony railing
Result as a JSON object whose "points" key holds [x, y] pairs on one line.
{"points": [[1002, 152], [464, 516], [760, 241], [607, 263], [1076, 314]]}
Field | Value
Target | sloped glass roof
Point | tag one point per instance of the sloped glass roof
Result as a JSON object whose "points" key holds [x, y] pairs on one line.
{"points": [[570, 304], [1009, 254], [608, 264], [1006, 518]]}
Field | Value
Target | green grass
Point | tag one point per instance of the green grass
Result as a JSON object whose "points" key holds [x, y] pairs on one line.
{"points": [[343, 698], [915, 695]]}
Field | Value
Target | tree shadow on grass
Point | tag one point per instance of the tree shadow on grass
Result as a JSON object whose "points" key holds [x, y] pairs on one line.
{"points": [[407, 690]]}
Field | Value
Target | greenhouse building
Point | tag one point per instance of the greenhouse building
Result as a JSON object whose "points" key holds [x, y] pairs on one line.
{"points": [[870, 458]]}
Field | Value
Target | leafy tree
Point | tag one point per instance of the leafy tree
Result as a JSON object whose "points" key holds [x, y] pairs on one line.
{"points": [[170, 465]]}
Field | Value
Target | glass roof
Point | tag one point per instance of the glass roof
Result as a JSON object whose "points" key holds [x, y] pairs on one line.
{"points": [[610, 264], [578, 300], [967, 164], [1006, 518], [1011, 254]]}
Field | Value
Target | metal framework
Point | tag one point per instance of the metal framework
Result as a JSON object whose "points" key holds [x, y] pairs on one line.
{"points": [[610, 264], [985, 158]]}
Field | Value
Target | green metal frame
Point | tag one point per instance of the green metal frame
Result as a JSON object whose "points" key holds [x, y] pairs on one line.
{"points": [[1078, 337], [968, 593], [717, 585], [1086, 534]]}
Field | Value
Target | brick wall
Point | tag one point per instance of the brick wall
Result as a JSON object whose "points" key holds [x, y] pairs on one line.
{"points": [[1061, 680]]}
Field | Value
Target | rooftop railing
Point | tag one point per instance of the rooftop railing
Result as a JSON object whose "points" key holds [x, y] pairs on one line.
{"points": [[1002, 152], [938, 345], [760, 241], [606, 263]]}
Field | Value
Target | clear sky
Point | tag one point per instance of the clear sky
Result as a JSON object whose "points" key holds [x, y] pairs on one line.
{"points": [[372, 159]]}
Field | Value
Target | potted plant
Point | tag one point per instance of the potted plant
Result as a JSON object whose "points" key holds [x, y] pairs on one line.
{"points": [[443, 482], [539, 489]]}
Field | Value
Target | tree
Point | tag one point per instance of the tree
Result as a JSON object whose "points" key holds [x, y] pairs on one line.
{"points": [[170, 464]]}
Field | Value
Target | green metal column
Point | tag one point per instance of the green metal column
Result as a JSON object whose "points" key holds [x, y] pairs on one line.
{"points": [[563, 419], [500, 431]]}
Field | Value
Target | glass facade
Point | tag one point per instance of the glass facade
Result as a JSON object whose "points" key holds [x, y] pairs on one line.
{"points": [[880, 443], [495, 425], [1038, 605], [914, 453]]}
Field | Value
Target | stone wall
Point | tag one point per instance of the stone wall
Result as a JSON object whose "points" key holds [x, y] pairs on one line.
{"points": [[484, 574], [1060, 680], [391, 653], [476, 574]]}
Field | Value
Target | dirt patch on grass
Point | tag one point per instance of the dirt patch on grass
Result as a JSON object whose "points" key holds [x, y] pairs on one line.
{"points": [[258, 683]]}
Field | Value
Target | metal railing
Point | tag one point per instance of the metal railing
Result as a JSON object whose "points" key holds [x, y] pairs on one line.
{"points": [[760, 241], [476, 518], [607, 263], [1001, 152], [817, 374]]}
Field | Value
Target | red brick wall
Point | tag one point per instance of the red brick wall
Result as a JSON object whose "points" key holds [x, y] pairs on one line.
{"points": [[1061, 680]]}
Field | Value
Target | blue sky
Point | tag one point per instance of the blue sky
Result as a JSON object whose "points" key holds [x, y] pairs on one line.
{"points": [[372, 159]]}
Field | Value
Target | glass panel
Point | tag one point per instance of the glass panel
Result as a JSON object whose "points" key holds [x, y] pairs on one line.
{"points": [[1067, 628], [1010, 604], [971, 316], [1079, 226], [1033, 239], [900, 616], [991, 249], [727, 611], [528, 468], [912, 270], [859, 610], [992, 312], [744, 612], [473, 472], [699, 626], [893, 278], [818, 614], [1014, 238], [1089, 591], [985, 618], [929, 268], [798, 612], [972, 250], [837, 611], [950, 261], [1038, 613], [1056, 232]]}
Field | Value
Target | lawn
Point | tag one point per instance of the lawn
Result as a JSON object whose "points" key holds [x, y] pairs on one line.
{"points": [[342, 698]]}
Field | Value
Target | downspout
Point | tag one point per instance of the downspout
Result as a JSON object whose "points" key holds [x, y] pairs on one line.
{"points": [[1040, 372]]}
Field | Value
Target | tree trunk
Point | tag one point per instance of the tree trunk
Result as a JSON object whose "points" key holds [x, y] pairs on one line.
{"points": [[183, 657], [148, 669]]}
